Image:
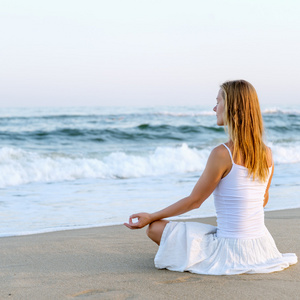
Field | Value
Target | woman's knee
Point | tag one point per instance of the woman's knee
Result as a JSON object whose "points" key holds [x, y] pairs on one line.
{"points": [[155, 230]]}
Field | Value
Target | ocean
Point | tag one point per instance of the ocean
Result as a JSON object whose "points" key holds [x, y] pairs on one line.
{"points": [[80, 167]]}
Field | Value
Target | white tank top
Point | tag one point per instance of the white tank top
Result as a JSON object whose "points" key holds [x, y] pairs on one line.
{"points": [[239, 204]]}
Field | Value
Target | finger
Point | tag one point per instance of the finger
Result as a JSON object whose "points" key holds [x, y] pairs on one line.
{"points": [[135, 216], [134, 224], [131, 219], [127, 225], [130, 226]]}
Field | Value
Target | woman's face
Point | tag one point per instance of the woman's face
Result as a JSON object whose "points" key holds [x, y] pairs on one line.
{"points": [[219, 109]]}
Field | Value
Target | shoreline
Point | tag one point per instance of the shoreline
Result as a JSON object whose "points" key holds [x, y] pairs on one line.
{"points": [[29, 233], [114, 262]]}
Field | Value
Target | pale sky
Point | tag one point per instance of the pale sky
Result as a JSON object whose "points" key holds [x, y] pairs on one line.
{"points": [[146, 52]]}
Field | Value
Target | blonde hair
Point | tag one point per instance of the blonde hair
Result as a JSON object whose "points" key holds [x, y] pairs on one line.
{"points": [[243, 120]]}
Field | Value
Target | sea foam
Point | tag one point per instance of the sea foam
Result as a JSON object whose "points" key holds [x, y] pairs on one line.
{"points": [[18, 166]]}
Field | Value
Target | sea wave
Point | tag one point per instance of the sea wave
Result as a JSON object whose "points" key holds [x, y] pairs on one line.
{"points": [[275, 111], [102, 112], [133, 133], [18, 166], [285, 154], [187, 114], [123, 112]]}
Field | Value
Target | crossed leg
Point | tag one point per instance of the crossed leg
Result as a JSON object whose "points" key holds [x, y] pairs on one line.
{"points": [[155, 230]]}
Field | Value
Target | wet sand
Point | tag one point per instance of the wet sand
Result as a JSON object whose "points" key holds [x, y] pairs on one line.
{"points": [[117, 263]]}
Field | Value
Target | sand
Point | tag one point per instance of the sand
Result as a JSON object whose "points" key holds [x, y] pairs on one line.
{"points": [[117, 263]]}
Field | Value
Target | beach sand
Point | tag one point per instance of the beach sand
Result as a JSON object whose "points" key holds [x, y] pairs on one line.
{"points": [[117, 263]]}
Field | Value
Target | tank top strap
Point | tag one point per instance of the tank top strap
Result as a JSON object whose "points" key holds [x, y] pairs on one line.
{"points": [[229, 153]]}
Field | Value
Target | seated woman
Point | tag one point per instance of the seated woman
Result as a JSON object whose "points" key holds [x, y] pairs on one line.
{"points": [[239, 174]]}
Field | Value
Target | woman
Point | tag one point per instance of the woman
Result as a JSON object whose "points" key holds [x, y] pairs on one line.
{"points": [[239, 174]]}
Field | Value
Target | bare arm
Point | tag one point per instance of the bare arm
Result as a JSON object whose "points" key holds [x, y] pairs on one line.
{"points": [[270, 158], [216, 166], [266, 199]]}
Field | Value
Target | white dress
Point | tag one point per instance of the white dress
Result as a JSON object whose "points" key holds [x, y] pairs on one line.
{"points": [[239, 244]]}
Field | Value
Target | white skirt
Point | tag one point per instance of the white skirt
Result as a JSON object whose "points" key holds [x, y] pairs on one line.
{"points": [[195, 247]]}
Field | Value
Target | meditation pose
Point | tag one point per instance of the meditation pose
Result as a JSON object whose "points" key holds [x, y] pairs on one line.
{"points": [[239, 174]]}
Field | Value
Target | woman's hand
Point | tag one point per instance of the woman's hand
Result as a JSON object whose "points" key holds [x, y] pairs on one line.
{"points": [[143, 220]]}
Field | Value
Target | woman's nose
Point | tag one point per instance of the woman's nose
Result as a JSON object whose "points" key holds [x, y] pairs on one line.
{"points": [[215, 108]]}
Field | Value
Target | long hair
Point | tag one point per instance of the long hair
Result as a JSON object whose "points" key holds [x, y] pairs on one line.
{"points": [[243, 120]]}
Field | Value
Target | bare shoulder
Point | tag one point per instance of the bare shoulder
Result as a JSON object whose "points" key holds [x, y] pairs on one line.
{"points": [[219, 161], [220, 155], [220, 152]]}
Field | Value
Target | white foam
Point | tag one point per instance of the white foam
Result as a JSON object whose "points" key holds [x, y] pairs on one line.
{"points": [[285, 154], [18, 166], [21, 167]]}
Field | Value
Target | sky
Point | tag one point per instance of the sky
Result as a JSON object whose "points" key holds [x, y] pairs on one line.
{"points": [[145, 53]]}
